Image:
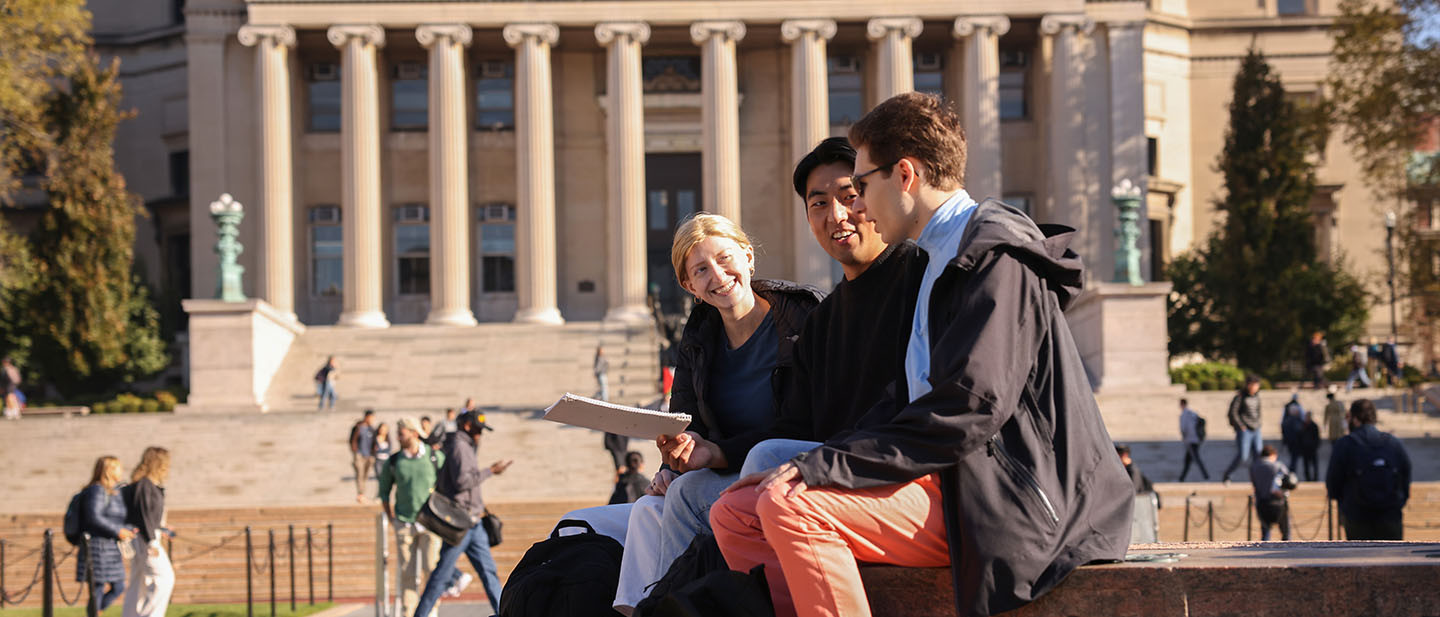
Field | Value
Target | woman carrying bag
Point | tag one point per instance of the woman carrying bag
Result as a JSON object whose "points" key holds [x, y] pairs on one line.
{"points": [[151, 576], [102, 517]]}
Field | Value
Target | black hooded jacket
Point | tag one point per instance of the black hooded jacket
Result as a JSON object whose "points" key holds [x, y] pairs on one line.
{"points": [[1030, 483], [704, 337]]}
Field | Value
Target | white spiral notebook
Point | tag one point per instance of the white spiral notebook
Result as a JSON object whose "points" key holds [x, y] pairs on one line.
{"points": [[636, 422]]}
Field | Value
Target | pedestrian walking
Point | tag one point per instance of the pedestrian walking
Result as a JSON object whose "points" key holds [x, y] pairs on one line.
{"points": [[602, 374], [1390, 362], [10, 388], [410, 474], [1310, 448], [1244, 417], [460, 479], [1192, 434], [382, 449], [362, 452], [102, 516], [1292, 421], [1359, 357], [1271, 481], [1317, 357], [152, 577], [1335, 426], [325, 380], [1369, 474]]}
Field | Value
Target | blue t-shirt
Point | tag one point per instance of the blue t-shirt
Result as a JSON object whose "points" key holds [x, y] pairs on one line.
{"points": [[365, 440], [740, 390]]}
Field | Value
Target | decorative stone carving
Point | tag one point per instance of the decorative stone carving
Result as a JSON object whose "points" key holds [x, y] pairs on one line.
{"points": [[607, 32], [1051, 25], [514, 34], [428, 34], [881, 27], [791, 30], [998, 25], [250, 35], [367, 33], [702, 31], [227, 214]]}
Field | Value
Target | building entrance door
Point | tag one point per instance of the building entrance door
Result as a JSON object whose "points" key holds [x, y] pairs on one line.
{"points": [[672, 193]]}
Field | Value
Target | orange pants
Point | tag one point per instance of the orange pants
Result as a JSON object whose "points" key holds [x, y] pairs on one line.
{"points": [[811, 543]]}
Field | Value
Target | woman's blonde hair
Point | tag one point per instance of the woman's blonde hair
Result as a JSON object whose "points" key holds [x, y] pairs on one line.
{"points": [[101, 475], [695, 230], [154, 464]]}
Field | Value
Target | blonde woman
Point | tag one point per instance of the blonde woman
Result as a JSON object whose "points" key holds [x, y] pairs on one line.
{"points": [[732, 368], [102, 516], [151, 576]]}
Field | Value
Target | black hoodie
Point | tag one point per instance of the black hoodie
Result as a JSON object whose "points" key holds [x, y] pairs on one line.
{"points": [[1030, 483]]}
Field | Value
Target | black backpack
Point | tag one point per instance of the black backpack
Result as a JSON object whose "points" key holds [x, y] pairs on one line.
{"points": [[1200, 427], [565, 576], [699, 559], [73, 534], [725, 593], [1374, 479]]}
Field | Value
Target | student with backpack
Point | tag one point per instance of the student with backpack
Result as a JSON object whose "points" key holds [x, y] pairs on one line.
{"points": [[411, 474], [1192, 433], [1369, 475], [100, 512]]}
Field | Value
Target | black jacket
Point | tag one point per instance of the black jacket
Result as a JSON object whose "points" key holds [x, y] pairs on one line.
{"points": [[1346, 462], [865, 318], [704, 337], [145, 507], [1030, 483]]}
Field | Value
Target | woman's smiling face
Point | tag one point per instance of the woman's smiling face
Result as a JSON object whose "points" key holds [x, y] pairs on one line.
{"points": [[718, 272]]}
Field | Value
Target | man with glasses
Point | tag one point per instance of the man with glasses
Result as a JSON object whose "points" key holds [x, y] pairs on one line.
{"points": [[992, 437]]}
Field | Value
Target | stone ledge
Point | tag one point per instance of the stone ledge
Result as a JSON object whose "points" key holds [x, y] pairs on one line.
{"points": [[1255, 579]]}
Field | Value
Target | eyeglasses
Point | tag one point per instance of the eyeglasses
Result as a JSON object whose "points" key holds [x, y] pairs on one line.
{"points": [[858, 180]]}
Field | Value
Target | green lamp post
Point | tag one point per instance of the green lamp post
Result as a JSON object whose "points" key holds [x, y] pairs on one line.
{"points": [[1127, 251], [227, 214]]}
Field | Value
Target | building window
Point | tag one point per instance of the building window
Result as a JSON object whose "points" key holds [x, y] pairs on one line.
{"points": [[409, 97], [497, 248], [671, 73], [412, 249], [180, 174], [1152, 155], [495, 95], [846, 101], [177, 16], [1021, 202], [327, 271], [323, 85], [1292, 7], [1014, 102], [929, 73]]}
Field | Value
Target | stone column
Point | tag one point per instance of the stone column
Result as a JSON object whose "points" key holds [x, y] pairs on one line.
{"points": [[809, 124], [535, 164], [277, 213], [1127, 119], [980, 105], [210, 105], [449, 175], [720, 115], [625, 167], [894, 62], [360, 173], [1066, 122]]}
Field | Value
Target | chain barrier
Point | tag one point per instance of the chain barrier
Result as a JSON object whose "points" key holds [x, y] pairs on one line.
{"points": [[1238, 523], [79, 589], [1319, 526], [206, 549], [34, 580]]}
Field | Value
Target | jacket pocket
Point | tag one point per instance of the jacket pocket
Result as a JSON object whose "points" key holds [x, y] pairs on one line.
{"points": [[1023, 478]]}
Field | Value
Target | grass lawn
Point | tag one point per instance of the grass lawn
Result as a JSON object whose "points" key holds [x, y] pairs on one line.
{"points": [[262, 609]]}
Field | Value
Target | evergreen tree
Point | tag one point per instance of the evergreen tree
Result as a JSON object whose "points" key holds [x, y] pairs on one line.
{"points": [[91, 324], [1255, 289], [41, 41]]}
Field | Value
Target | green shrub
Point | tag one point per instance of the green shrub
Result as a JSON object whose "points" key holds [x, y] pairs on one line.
{"points": [[128, 403], [1208, 376], [100, 407], [149, 405], [166, 399]]}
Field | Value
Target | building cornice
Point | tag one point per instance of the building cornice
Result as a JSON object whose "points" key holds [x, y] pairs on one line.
{"points": [[175, 32], [322, 13]]}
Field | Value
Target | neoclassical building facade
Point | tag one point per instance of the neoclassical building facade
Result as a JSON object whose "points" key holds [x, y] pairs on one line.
{"points": [[449, 162]]}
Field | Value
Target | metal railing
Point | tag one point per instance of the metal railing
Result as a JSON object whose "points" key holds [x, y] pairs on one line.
{"points": [[46, 573]]}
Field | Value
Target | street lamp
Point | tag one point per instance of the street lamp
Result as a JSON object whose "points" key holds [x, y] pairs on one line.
{"points": [[1390, 260]]}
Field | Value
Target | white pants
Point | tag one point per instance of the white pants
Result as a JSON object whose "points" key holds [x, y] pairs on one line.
{"points": [[151, 580]]}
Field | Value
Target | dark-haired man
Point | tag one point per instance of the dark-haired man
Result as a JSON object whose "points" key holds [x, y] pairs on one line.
{"points": [[1244, 417], [1369, 474], [992, 398]]}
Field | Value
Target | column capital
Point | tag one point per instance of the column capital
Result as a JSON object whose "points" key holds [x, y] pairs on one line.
{"points": [[792, 29], [702, 31], [611, 31], [1122, 26], [515, 34], [880, 27], [252, 35], [968, 26], [372, 34], [429, 34], [1051, 25]]}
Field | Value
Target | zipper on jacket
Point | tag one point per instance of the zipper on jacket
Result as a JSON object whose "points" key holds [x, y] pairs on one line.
{"points": [[1020, 473]]}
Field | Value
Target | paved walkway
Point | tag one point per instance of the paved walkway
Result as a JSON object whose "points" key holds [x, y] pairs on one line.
{"points": [[302, 458]]}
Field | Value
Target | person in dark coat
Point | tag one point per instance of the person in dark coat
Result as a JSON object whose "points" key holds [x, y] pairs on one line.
{"points": [[102, 516], [152, 576], [1369, 474], [991, 454], [1310, 448], [1317, 357], [632, 484]]}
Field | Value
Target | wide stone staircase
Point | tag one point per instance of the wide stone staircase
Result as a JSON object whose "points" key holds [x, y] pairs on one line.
{"points": [[409, 367]]}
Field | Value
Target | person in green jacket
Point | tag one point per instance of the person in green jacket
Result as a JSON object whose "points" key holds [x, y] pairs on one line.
{"points": [[411, 474]]}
